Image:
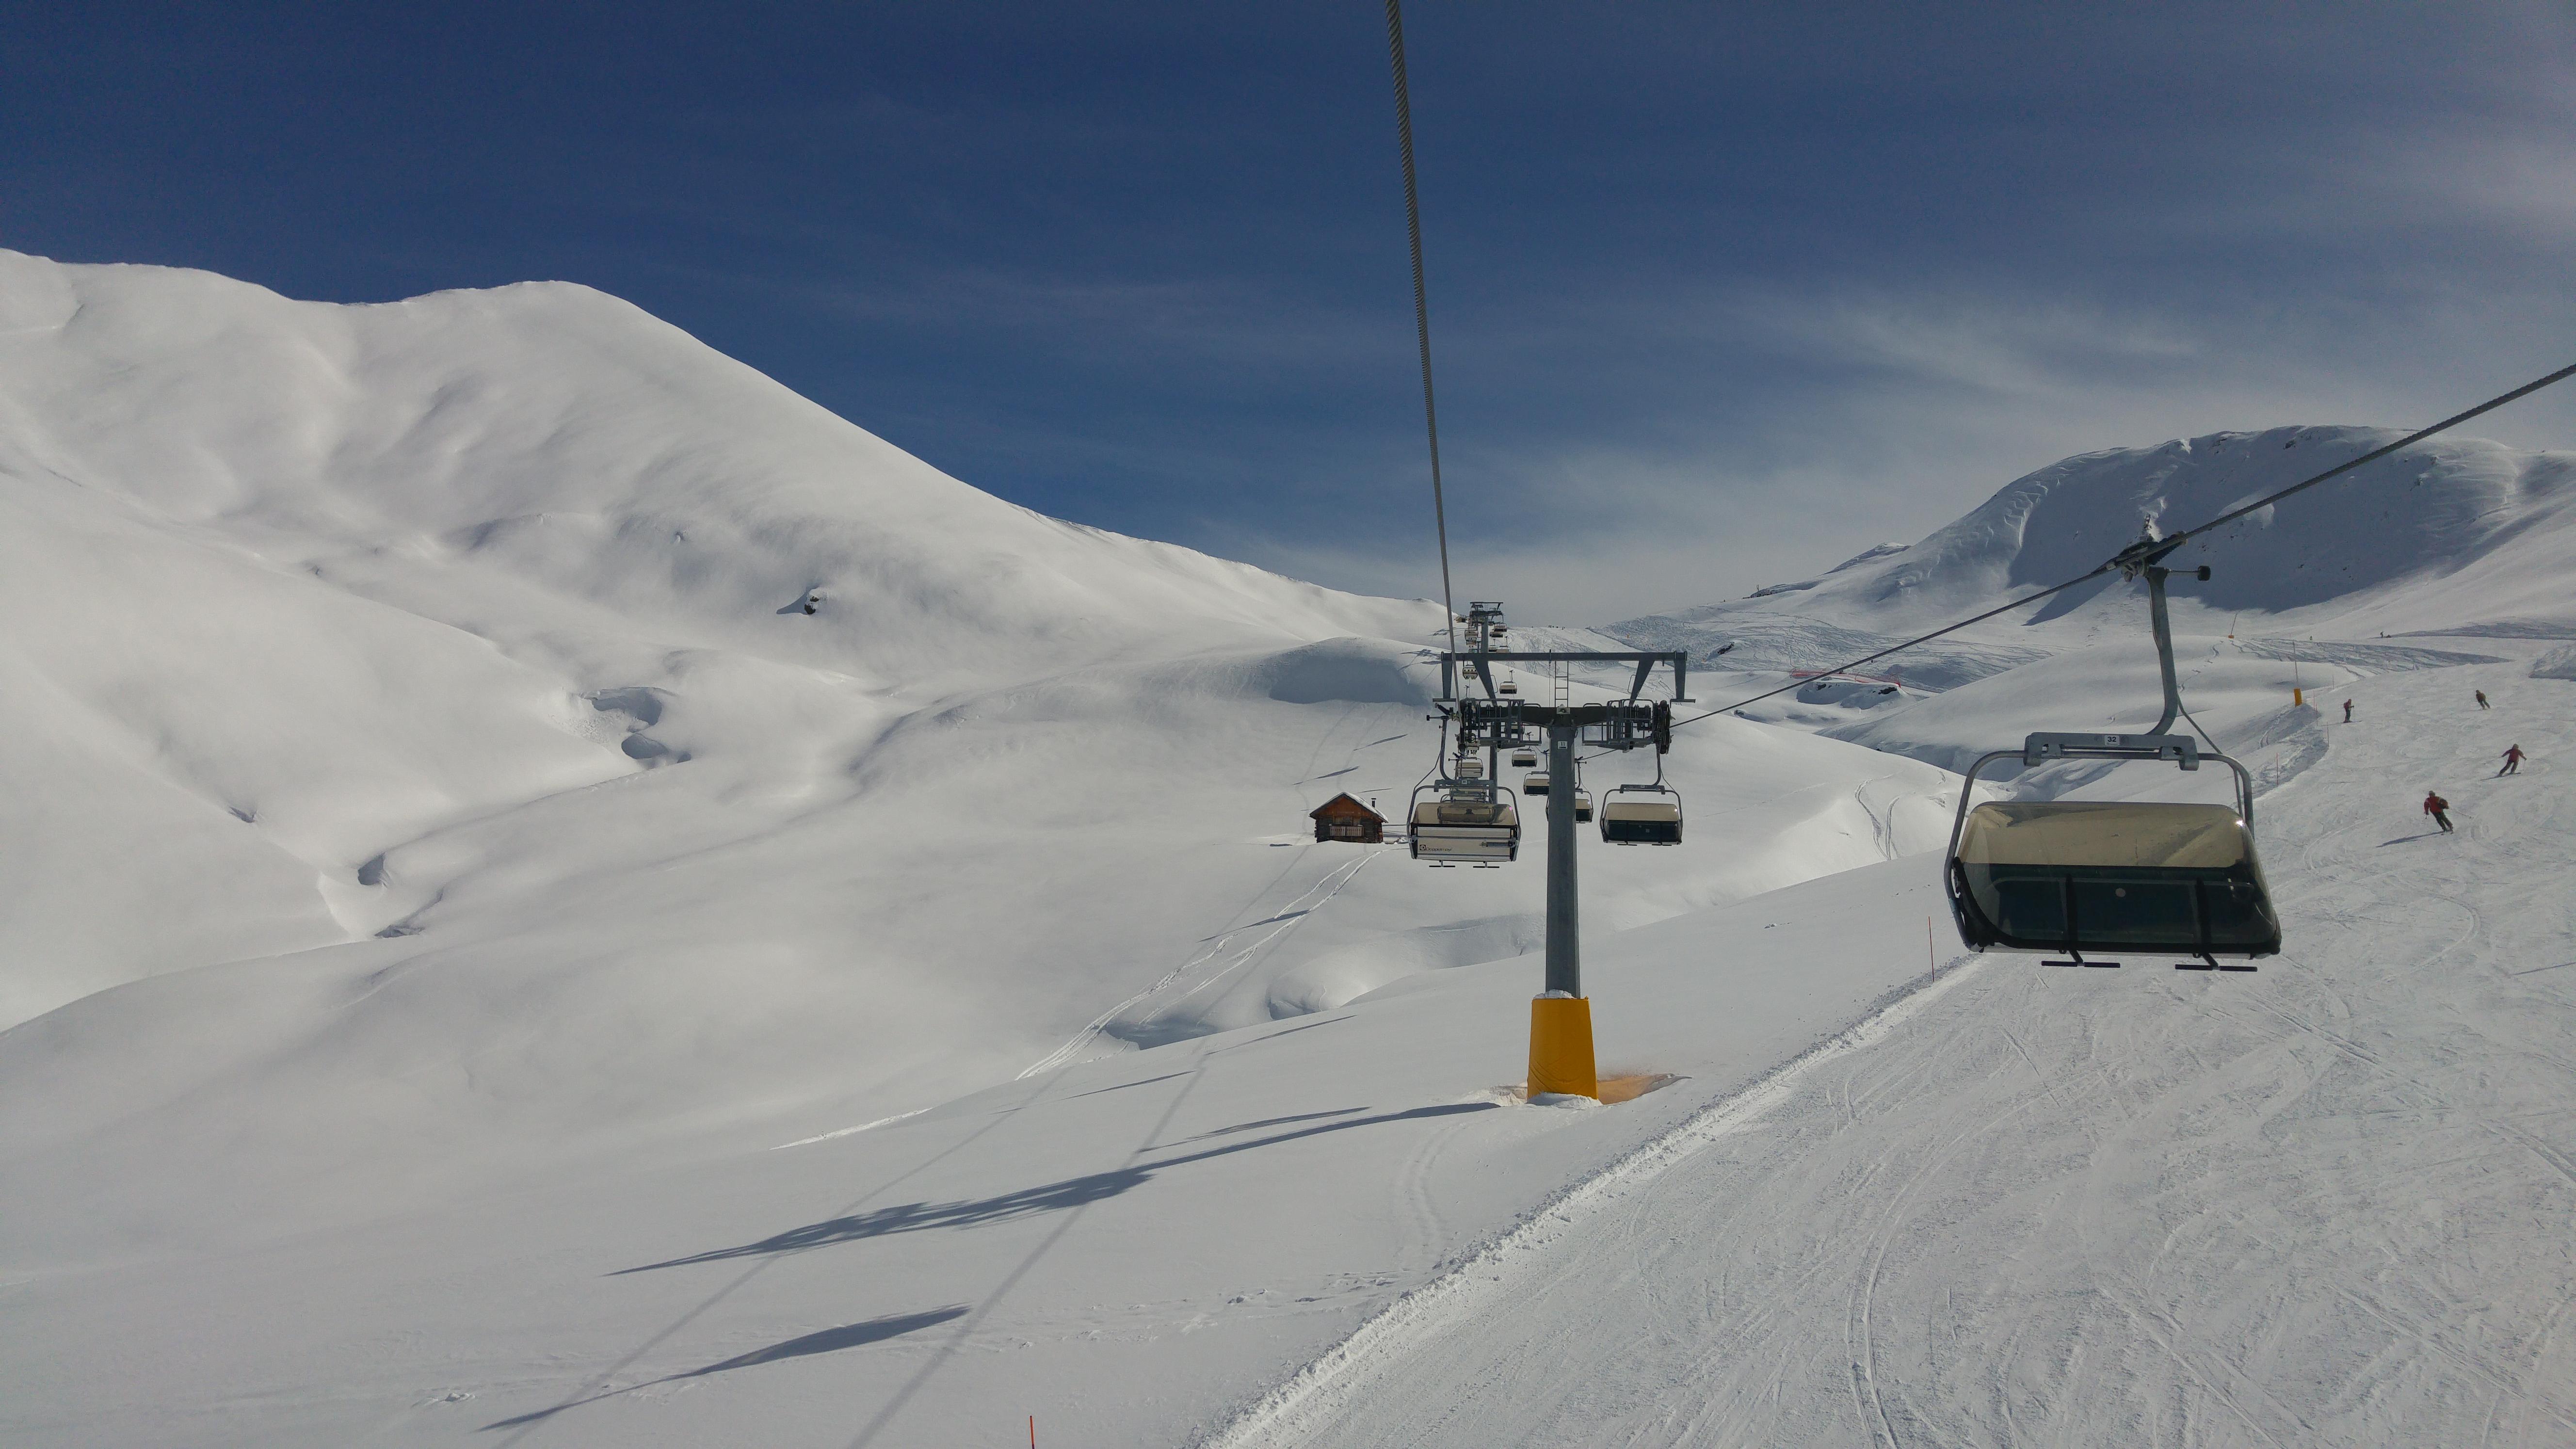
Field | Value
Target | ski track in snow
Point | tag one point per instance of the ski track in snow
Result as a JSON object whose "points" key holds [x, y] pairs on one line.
{"points": [[1452, 1301], [1321, 893], [2334, 1201], [1287, 918]]}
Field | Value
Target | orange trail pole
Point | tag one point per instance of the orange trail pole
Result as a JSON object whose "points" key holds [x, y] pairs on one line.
{"points": [[1033, 1431]]}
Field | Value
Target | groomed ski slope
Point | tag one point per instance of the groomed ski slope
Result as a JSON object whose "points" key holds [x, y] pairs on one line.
{"points": [[2330, 1203]]}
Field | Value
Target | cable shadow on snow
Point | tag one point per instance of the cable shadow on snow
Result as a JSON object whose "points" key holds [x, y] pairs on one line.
{"points": [[1072, 1192], [1266, 1122], [1123, 1086], [829, 1340]]}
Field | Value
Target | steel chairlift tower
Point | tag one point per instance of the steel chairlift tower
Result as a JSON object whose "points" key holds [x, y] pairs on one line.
{"points": [[1561, 1059], [1472, 819]]}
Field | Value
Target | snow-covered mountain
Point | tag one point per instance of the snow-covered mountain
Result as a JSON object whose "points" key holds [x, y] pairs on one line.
{"points": [[2404, 563], [556, 892], [2449, 536]]}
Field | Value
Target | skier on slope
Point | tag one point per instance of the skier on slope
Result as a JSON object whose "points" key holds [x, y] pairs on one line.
{"points": [[2482, 700], [2439, 809], [2347, 711], [2513, 758]]}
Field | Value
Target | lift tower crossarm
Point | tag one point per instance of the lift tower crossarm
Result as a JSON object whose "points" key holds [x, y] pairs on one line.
{"points": [[1477, 661]]}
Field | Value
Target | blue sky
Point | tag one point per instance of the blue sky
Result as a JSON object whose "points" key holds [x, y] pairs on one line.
{"points": [[1721, 294]]}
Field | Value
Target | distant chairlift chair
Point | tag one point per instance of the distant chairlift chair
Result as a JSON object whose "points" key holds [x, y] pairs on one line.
{"points": [[1475, 823], [1651, 815]]}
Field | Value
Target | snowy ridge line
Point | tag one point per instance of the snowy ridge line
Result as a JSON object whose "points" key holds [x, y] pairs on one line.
{"points": [[1292, 1408]]}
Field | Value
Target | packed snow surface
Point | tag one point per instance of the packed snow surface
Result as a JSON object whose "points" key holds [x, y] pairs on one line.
{"points": [[561, 894]]}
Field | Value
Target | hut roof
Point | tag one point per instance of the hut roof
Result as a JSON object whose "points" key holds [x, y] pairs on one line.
{"points": [[1343, 805]]}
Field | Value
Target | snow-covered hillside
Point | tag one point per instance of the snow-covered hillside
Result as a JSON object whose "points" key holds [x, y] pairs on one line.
{"points": [[559, 893], [460, 737]]}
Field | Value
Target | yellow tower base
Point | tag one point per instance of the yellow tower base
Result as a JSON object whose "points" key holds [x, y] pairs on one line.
{"points": [[1560, 1058]]}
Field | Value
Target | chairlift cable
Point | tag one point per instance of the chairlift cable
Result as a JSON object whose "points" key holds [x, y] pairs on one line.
{"points": [[1908, 644], [2162, 546], [1421, 306]]}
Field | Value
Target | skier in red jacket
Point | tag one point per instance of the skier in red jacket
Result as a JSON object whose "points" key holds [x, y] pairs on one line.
{"points": [[2513, 758], [2439, 809]]}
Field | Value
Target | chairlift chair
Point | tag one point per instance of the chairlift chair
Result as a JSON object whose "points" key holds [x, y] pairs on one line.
{"points": [[2114, 875], [1524, 760], [1582, 806], [1652, 816], [1507, 687], [1478, 824], [1534, 785], [2103, 876]]}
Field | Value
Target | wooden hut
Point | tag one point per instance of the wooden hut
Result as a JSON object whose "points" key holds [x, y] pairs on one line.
{"points": [[1343, 818]]}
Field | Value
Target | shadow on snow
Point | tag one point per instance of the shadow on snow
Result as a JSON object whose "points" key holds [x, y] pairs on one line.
{"points": [[1073, 1192], [829, 1340]]}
